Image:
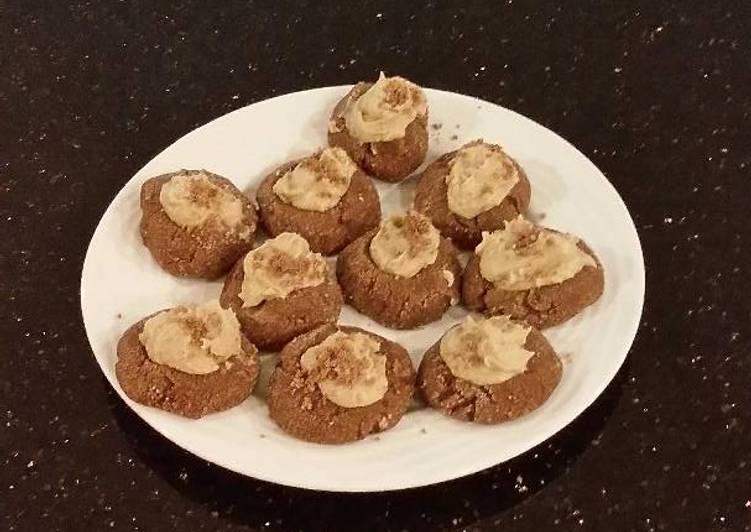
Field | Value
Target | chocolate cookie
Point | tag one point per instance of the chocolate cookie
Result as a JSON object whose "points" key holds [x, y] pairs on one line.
{"points": [[298, 404], [389, 160], [274, 321], [328, 231], [394, 300], [186, 394], [541, 306], [431, 199], [218, 223], [491, 403]]}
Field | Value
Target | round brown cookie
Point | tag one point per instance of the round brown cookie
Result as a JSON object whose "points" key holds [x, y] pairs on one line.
{"points": [[275, 322], [431, 199], [205, 252], [327, 232], [491, 403], [394, 301], [392, 160], [540, 307], [189, 395], [300, 408]]}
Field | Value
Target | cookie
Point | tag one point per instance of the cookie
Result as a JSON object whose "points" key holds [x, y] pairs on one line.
{"points": [[402, 275], [280, 290], [532, 274], [191, 361], [383, 126], [195, 223], [325, 198], [471, 190], [339, 384], [489, 371]]}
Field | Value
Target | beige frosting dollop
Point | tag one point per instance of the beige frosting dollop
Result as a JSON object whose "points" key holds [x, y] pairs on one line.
{"points": [[384, 111], [523, 256], [278, 267], [318, 182], [486, 350], [480, 177], [193, 339], [192, 200], [405, 244], [348, 368]]}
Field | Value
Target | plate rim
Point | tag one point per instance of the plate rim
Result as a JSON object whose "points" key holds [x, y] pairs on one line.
{"points": [[383, 486]]}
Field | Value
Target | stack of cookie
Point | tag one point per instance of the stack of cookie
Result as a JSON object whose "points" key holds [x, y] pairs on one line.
{"points": [[333, 383]]}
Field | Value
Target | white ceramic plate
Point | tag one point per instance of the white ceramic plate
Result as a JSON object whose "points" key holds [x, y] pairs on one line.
{"points": [[121, 284]]}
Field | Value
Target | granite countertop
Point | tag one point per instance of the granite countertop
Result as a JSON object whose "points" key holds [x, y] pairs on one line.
{"points": [[657, 94]]}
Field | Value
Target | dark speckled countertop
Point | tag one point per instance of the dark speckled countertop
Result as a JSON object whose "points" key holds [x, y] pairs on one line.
{"points": [[657, 94]]}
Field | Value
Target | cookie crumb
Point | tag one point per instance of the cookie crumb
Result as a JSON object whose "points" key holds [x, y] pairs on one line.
{"points": [[261, 435], [298, 381], [457, 126], [119, 316], [436, 126], [454, 137], [423, 430]]}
